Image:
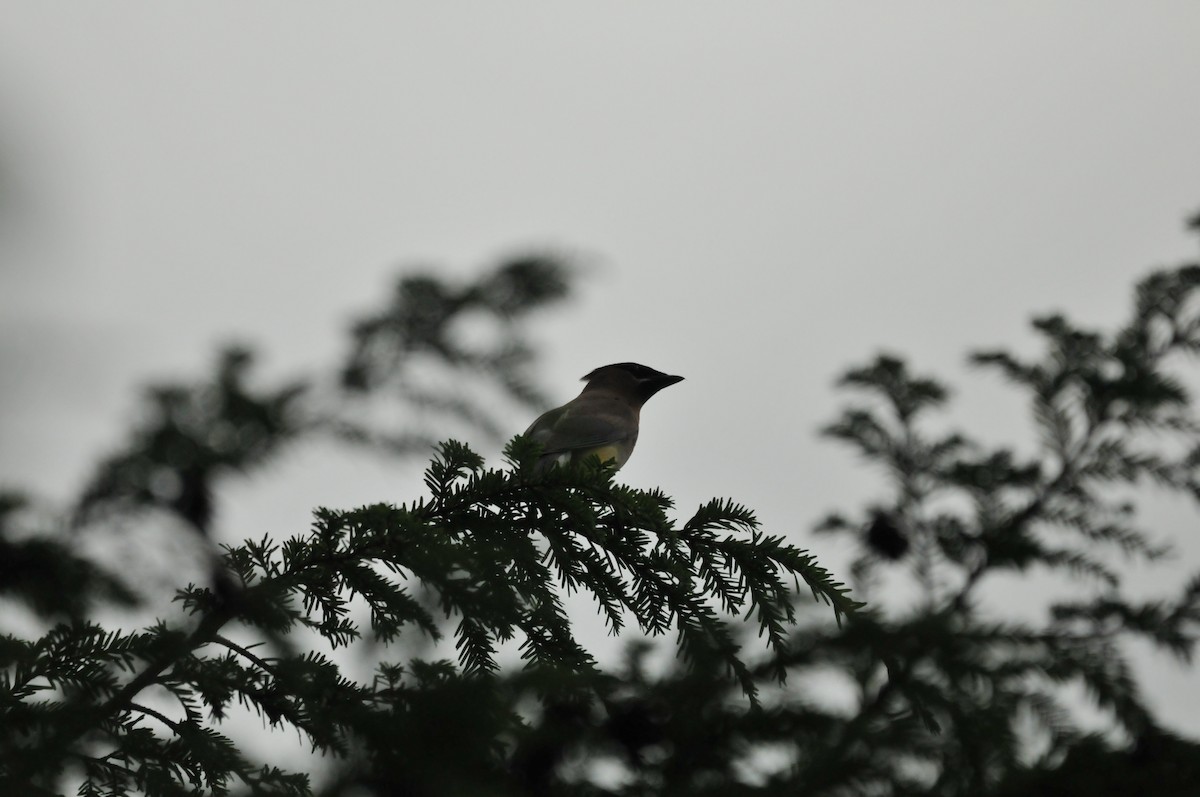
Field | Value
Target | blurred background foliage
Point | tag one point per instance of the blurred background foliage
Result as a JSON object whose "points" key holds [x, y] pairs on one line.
{"points": [[945, 693]]}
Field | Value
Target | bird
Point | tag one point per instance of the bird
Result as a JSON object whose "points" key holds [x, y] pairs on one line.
{"points": [[602, 420]]}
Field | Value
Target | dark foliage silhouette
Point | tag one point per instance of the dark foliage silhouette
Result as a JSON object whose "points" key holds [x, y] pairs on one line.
{"points": [[942, 694]]}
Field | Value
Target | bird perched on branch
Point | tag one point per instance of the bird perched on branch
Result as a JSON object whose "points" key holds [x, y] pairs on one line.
{"points": [[602, 420]]}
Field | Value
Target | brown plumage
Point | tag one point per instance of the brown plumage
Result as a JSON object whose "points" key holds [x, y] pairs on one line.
{"points": [[602, 420]]}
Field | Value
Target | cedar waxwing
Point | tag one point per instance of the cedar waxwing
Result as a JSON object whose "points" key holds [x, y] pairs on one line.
{"points": [[602, 420]]}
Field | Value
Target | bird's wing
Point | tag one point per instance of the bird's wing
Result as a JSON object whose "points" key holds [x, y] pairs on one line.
{"points": [[562, 430]]}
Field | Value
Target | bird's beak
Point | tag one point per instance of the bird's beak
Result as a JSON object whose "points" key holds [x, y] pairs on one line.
{"points": [[657, 383]]}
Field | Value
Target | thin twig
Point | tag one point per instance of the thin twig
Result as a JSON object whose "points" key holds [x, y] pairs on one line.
{"points": [[163, 718], [236, 648]]}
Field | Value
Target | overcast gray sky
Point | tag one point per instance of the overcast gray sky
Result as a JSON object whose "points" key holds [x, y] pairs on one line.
{"points": [[768, 191]]}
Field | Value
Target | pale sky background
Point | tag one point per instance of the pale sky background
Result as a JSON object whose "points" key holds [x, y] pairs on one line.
{"points": [[768, 193]]}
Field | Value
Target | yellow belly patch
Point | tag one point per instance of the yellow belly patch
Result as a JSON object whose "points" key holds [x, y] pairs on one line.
{"points": [[604, 452]]}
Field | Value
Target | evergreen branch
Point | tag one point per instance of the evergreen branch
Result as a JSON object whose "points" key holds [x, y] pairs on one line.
{"points": [[243, 652], [164, 719], [70, 729]]}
